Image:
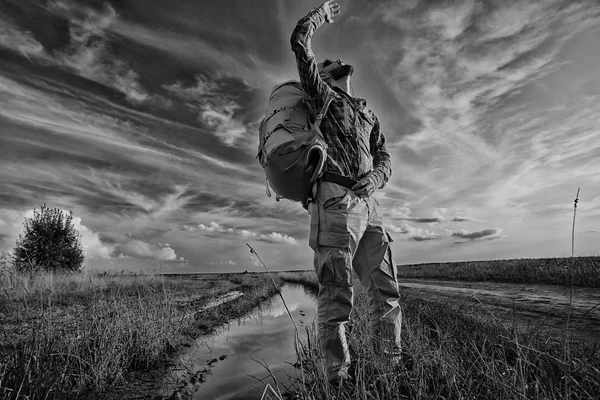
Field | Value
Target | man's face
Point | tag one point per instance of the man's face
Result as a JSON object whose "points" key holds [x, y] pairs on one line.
{"points": [[337, 69]]}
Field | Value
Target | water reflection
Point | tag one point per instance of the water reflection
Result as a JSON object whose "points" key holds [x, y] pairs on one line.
{"points": [[266, 335]]}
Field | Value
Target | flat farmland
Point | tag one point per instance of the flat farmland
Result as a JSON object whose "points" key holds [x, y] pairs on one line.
{"points": [[559, 294], [546, 306]]}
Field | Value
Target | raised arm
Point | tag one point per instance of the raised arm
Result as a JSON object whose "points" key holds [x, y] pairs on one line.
{"points": [[314, 86]]}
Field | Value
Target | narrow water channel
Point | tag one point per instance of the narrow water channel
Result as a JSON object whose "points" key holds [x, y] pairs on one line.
{"points": [[266, 335]]}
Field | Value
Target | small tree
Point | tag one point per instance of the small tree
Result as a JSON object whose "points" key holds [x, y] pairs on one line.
{"points": [[50, 242]]}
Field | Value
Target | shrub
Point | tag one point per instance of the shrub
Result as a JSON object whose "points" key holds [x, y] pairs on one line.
{"points": [[50, 242], [6, 261]]}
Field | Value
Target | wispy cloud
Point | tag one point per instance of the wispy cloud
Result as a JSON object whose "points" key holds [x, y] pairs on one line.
{"points": [[462, 219], [486, 233], [143, 117], [414, 233], [89, 52], [438, 215], [221, 119], [202, 87], [426, 220], [213, 227], [459, 63], [23, 42], [215, 106]]}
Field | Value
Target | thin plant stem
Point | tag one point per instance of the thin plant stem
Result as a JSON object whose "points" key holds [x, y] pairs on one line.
{"points": [[566, 346], [296, 332], [274, 284], [573, 231]]}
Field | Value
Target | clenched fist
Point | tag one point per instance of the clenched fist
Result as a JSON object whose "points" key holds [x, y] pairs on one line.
{"points": [[330, 9]]}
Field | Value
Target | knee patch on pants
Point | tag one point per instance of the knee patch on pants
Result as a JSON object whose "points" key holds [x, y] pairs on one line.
{"points": [[333, 266]]}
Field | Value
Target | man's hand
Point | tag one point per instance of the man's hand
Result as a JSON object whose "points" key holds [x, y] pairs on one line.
{"points": [[330, 9], [365, 187]]}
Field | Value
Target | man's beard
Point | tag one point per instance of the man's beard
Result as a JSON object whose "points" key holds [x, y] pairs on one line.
{"points": [[342, 71]]}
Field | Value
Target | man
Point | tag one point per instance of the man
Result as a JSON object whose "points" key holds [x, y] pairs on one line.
{"points": [[346, 224]]}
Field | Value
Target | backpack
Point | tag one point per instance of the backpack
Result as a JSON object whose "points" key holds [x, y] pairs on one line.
{"points": [[291, 148]]}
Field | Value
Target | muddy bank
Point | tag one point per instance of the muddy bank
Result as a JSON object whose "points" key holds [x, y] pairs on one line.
{"points": [[537, 305]]}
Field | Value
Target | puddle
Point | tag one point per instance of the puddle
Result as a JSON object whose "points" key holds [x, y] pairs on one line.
{"points": [[266, 335]]}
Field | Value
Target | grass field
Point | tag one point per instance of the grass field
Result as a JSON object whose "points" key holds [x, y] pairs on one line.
{"points": [[93, 335], [455, 353], [581, 271], [86, 335]]}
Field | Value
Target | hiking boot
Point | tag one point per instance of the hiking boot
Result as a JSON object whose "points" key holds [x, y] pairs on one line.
{"points": [[343, 380]]}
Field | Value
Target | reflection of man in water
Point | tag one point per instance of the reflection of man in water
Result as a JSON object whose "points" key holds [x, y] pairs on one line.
{"points": [[346, 225]]}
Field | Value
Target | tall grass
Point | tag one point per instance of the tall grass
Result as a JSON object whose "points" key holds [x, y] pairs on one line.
{"points": [[584, 271], [72, 336], [452, 353]]}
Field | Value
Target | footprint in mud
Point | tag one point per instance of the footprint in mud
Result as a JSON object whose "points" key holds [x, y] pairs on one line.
{"points": [[213, 361]]}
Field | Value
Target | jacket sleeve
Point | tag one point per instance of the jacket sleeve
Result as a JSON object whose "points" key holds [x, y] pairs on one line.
{"points": [[313, 85], [382, 164]]}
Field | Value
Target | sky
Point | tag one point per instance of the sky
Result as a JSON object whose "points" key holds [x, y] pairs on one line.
{"points": [[141, 117]]}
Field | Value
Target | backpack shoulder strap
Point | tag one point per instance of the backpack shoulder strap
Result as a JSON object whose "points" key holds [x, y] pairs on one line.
{"points": [[321, 114]]}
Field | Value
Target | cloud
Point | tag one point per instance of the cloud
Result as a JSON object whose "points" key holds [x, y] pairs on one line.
{"points": [[215, 105], [437, 217], [139, 249], [222, 262], [403, 212], [486, 233], [462, 62], [425, 220], [414, 233], [399, 211], [213, 227], [462, 219], [20, 41], [203, 87], [221, 119], [397, 229], [275, 237], [89, 53], [91, 241]]}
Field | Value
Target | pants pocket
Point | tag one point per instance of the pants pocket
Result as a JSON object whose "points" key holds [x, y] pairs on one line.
{"points": [[333, 197], [333, 267]]}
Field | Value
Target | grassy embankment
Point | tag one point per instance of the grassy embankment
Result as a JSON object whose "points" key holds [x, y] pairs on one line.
{"points": [[89, 335], [581, 271], [455, 353]]}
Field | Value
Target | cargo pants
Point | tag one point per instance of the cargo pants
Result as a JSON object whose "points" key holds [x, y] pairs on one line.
{"points": [[347, 233]]}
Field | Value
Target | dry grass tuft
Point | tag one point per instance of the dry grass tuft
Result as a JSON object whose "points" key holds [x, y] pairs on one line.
{"points": [[69, 336]]}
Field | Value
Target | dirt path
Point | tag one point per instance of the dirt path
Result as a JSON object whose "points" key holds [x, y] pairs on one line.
{"points": [[535, 304]]}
